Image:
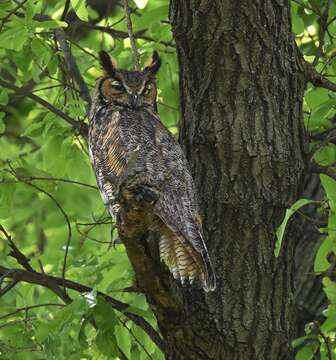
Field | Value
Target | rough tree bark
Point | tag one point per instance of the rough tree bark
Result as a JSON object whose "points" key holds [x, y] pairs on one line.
{"points": [[241, 89]]}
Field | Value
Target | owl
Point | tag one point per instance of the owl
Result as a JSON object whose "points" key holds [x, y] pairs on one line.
{"points": [[125, 131]]}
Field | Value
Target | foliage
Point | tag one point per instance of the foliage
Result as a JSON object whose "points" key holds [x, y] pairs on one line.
{"points": [[48, 198], [41, 159], [315, 28]]}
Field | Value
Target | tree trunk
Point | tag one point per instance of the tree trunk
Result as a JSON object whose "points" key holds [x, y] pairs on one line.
{"points": [[242, 129], [241, 90]]}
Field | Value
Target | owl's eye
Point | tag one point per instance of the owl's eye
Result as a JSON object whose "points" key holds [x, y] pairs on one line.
{"points": [[117, 85], [147, 89]]}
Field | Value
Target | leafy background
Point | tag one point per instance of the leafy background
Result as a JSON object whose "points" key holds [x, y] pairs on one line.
{"points": [[49, 202]]}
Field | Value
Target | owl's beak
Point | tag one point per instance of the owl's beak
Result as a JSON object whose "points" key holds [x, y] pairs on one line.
{"points": [[136, 101]]}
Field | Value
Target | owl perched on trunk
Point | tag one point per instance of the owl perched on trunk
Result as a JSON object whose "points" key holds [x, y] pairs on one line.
{"points": [[125, 132]]}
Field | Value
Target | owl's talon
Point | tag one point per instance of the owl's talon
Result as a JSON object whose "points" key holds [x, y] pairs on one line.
{"points": [[146, 194], [183, 281]]}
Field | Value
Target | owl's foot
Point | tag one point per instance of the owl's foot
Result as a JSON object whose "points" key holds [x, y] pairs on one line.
{"points": [[145, 194]]}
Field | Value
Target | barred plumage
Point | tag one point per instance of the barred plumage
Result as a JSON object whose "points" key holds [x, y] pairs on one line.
{"points": [[125, 127]]}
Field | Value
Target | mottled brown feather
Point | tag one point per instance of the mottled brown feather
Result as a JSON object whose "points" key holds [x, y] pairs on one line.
{"points": [[124, 123]]}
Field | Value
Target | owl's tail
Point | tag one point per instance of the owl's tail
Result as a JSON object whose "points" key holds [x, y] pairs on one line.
{"points": [[186, 263]]}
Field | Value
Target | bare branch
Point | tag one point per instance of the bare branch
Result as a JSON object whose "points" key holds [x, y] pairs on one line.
{"points": [[136, 62], [4, 19], [79, 126], [54, 284], [8, 287], [15, 252], [317, 79], [65, 9], [49, 282], [27, 308], [72, 67], [324, 134], [13, 172], [40, 178], [325, 339], [324, 138], [320, 169], [323, 26]]}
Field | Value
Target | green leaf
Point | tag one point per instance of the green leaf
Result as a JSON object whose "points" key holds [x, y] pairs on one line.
{"points": [[2, 124], [37, 47], [330, 289], [80, 9], [13, 39], [289, 212], [3, 97], [307, 352], [35, 129], [321, 262], [106, 321]]}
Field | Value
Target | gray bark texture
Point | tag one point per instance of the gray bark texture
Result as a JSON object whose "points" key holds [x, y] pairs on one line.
{"points": [[241, 91], [242, 129]]}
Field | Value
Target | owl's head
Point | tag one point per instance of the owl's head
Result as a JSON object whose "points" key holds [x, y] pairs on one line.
{"points": [[132, 89]]}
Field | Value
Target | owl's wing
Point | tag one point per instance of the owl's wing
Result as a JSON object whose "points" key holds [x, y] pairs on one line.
{"points": [[177, 208], [108, 155]]}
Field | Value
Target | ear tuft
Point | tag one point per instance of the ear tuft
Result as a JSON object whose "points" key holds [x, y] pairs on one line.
{"points": [[153, 64], [109, 65]]}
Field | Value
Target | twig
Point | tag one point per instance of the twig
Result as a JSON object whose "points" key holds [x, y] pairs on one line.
{"points": [[83, 49], [40, 178], [86, 236], [65, 9], [61, 210], [320, 169], [317, 79], [49, 281], [15, 252], [324, 134], [4, 19], [330, 138], [136, 62], [8, 287], [26, 308], [325, 339], [323, 25], [79, 126], [14, 322], [135, 338], [72, 67], [304, 5]]}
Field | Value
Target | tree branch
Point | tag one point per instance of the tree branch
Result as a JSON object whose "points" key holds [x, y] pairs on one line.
{"points": [[8, 287], [65, 9], [49, 281], [316, 78], [40, 178], [15, 252], [79, 126], [4, 19], [54, 284], [325, 339], [136, 62], [27, 308], [323, 26], [328, 136], [320, 169], [72, 67], [66, 218]]}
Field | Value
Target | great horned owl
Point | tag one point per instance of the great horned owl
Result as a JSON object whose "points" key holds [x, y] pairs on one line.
{"points": [[124, 121]]}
